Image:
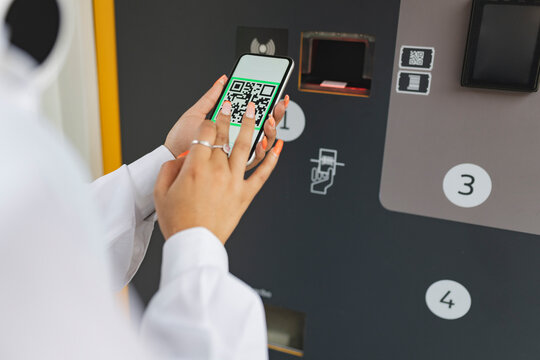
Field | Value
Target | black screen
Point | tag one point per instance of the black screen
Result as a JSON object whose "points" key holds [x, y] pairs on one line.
{"points": [[338, 60], [503, 49]]}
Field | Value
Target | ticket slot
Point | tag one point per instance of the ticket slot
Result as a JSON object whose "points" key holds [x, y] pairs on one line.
{"points": [[285, 330], [336, 63]]}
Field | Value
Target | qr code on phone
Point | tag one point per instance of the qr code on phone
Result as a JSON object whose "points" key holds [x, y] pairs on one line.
{"points": [[242, 91]]}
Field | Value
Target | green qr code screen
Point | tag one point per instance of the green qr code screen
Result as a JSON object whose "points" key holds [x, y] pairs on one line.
{"points": [[241, 91]]}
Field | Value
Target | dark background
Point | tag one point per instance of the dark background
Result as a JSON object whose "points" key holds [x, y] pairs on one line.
{"points": [[358, 271]]}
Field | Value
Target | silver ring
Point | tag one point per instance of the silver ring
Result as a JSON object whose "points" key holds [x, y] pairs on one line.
{"points": [[202, 142], [225, 147]]}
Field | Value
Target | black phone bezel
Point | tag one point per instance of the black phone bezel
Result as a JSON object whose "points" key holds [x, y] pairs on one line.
{"points": [[271, 106], [472, 45]]}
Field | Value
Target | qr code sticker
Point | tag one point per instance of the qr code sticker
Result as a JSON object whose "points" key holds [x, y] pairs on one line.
{"points": [[416, 58], [241, 92]]}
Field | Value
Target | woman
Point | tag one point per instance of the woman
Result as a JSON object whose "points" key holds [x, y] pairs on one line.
{"points": [[60, 237]]}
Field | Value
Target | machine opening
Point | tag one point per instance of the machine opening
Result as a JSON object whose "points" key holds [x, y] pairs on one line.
{"points": [[285, 330], [336, 63]]}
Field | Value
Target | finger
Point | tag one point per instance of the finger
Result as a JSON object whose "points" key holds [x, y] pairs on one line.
{"points": [[259, 177], [279, 110], [207, 102], [270, 132], [260, 152], [199, 152], [242, 145], [223, 121], [167, 174]]}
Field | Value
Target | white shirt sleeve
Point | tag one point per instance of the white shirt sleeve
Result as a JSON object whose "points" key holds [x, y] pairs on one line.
{"points": [[58, 303], [201, 311], [124, 199], [56, 300]]}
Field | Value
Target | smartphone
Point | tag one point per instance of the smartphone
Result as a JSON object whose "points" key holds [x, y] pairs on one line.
{"points": [[260, 79]]}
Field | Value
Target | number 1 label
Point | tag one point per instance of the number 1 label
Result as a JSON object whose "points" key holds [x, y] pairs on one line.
{"points": [[293, 123]]}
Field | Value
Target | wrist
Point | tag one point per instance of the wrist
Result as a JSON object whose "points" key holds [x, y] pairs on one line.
{"points": [[171, 149], [171, 232]]}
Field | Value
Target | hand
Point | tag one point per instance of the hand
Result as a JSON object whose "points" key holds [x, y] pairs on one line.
{"points": [[207, 188], [183, 132]]}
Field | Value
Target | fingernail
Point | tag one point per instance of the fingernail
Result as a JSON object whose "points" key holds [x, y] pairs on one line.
{"points": [[264, 143], [250, 111], [183, 154], [221, 80], [287, 98], [226, 108], [272, 122], [279, 146]]}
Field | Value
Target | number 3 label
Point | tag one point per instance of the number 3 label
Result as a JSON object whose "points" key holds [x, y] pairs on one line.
{"points": [[467, 185]]}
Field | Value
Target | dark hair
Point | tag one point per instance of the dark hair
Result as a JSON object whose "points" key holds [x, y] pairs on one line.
{"points": [[33, 26]]}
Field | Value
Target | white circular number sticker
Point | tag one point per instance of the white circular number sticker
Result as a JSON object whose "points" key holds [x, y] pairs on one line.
{"points": [[292, 125], [448, 299], [467, 185]]}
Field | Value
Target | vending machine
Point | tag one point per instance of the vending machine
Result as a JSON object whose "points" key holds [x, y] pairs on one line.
{"points": [[403, 219]]}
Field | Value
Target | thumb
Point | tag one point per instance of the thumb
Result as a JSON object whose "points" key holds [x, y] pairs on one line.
{"points": [[207, 102], [168, 173]]}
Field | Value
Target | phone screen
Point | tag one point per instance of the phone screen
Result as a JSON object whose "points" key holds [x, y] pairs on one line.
{"points": [[255, 78]]}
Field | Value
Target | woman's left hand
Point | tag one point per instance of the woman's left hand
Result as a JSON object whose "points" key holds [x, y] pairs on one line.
{"points": [[183, 132]]}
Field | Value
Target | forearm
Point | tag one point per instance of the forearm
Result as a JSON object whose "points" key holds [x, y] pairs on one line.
{"points": [[201, 310], [125, 202]]}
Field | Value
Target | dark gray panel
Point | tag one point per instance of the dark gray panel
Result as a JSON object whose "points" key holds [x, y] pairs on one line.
{"points": [[359, 272]]}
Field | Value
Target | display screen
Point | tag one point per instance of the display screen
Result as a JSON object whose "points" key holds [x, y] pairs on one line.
{"points": [[258, 79], [503, 50]]}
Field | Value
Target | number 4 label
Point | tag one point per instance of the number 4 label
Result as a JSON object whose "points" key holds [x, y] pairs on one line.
{"points": [[448, 299], [467, 185]]}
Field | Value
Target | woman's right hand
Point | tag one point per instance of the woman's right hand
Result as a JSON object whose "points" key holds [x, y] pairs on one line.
{"points": [[207, 188]]}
